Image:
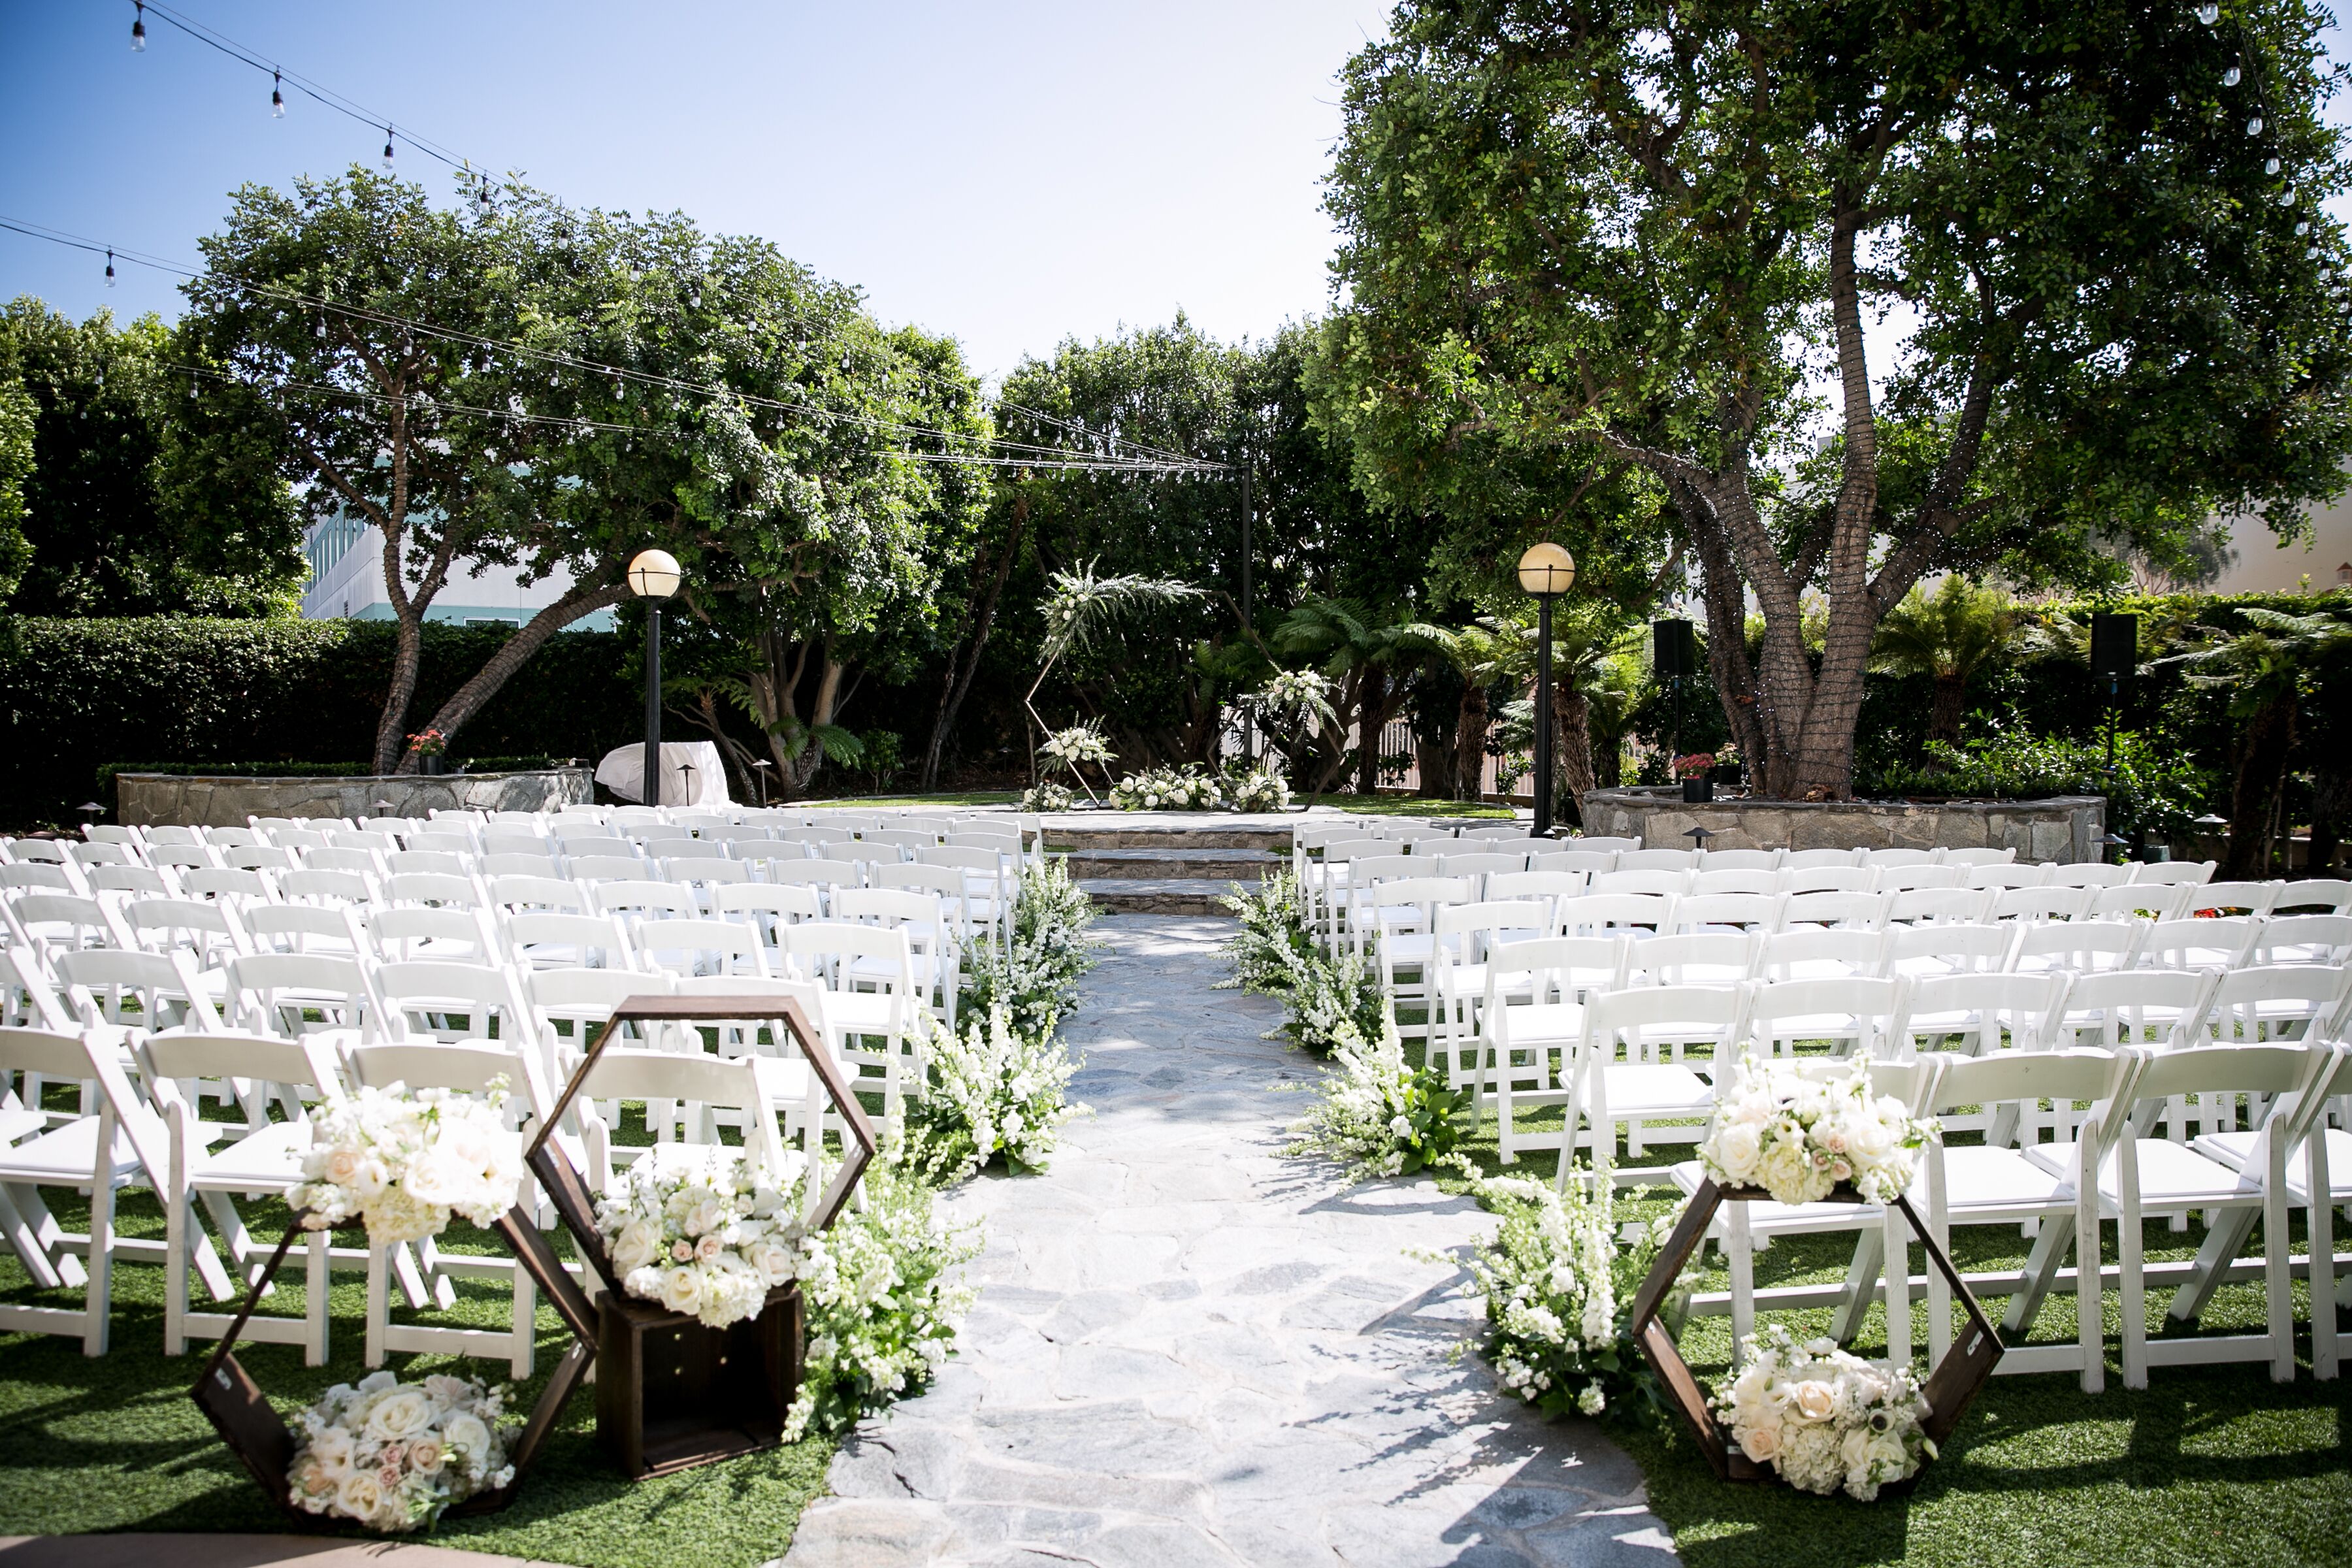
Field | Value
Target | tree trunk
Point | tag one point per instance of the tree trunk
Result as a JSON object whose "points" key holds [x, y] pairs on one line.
{"points": [[407, 653], [1571, 723], [584, 598], [797, 771], [2262, 748], [2331, 796], [1944, 718], [959, 682], [1433, 755], [1470, 743], [1371, 719]]}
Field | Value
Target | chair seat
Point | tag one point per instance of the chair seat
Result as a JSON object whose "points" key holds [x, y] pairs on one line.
{"points": [[271, 1157], [2234, 1149], [2002, 1181], [1539, 1024], [16, 1125], [66, 1156], [862, 1011], [2171, 1175], [1655, 1088]]}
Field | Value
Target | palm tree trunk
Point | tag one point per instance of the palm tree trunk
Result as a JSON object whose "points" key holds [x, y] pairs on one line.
{"points": [[2262, 748], [1571, 721], [1470, 742], [1944, 718], [1373, 710]]}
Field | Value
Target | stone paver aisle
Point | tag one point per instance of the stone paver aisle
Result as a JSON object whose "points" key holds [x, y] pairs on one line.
{"points": [[1191, 1349]]}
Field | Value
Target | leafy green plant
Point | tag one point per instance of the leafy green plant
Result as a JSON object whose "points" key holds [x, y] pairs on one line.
{"points": [[1275, 954], [1379, 1114], [2151, 792]]}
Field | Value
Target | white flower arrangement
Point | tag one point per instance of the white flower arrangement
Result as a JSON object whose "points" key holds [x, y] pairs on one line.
{"points": [[1079, 744], [1558, 1278], [999, 1088], [1276, 955], [1263, 789], [402, 1161], [393, 1456], [1801, 1137], [1048, 794], [1823, 1418], [1168, 789], [702, 1231], [1381, 1115], [883, 1310]]}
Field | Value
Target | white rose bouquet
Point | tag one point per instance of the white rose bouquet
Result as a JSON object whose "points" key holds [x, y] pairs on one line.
{"points": [[1168, 789], [999, 1089], [1801, 1137], [1823, 1418], [402, 1161], [702, 1232], [1558, 1278], [393, 1456]]}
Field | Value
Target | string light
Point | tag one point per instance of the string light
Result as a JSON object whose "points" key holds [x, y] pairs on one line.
{"points": [[2254, 126], [387, 148], [2232, 76], [277, 98], [2270, 166], [2209, 13], [138, 28], [109, 269], [2302, 228]]}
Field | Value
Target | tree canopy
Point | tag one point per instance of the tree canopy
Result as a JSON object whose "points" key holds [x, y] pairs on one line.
{"points": [[1663, 238]]}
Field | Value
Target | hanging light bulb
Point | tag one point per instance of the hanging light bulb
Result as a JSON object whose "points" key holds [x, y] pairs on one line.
{"points": [[138, 28], [2209, 12], [2302, 228], [387, 149], [2254, 126], [2311, 253], [110, 267], [2232, 76], [2270, 166], [277, 98], [2286, 197]]}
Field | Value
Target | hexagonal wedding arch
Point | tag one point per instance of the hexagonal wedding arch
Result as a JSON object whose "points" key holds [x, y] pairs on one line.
{"points": [[1954, 1383], [670, 1392]]}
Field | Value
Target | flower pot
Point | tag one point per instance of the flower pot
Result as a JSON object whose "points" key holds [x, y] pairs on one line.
{"points": [[1697, 791], [433, 764]]}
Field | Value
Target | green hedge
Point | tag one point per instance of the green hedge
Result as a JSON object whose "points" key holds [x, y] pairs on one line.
{"points": [[77, 696]]}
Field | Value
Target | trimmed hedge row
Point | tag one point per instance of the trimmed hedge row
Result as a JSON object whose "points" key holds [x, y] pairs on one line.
{"points": [[75, 695]]}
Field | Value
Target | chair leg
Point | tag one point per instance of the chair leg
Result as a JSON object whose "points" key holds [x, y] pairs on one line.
{"points": [[2042, 1267], [379, 1303], [2090, 1298], [1739, 1251], [2131, 1295], [314, 1302], [2220, 1246], [97, 1297], [175, 1273], [1870, 1251], [2326, 1344], [1895, 1241], [2278, 1284]]}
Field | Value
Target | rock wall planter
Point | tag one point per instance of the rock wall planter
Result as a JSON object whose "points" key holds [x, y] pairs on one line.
{"points": [[2060, 828], [225, 800]]}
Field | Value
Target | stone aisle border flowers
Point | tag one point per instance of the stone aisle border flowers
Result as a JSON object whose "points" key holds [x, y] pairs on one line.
{"points": [[1379, 1115], [1559, 1280], [995, 1091], [1275, 954], [392, 1457]]}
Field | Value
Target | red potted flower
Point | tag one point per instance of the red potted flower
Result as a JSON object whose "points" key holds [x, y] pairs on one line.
{"points": [[1695, 771]]}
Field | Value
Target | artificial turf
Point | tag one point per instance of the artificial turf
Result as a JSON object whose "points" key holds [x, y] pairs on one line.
{"points": [[114, 1443], [2210, 1464]]}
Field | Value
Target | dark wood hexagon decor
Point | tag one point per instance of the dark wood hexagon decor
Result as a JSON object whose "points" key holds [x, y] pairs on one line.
{"points": [[265, 1445], [1951, 1387], [671, 1392]]}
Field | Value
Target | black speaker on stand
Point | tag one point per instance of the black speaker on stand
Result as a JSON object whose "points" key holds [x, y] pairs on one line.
{"points": [[2115, 658]]}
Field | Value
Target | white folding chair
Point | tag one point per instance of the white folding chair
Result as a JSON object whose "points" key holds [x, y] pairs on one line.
{"points": [[1823, 952], [428, 931], [1468, 939], [1829, 878], [2222, 897], [1939, 907], [2024, 904], [558, 938], [1729, 879], [517, 894], [1607, 914], [2175, 873], [1532, 1044], [2227, 942], [686, 947], [1861, 911], [305, 928], [830, 951], [1720, 958], [1631, 1067], [1855, 1014], [2303, 938], [2314, 896], [2078, 946]]}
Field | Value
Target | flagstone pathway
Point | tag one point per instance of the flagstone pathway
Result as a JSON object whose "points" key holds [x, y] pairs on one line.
{"points": [[1190, 1348]]}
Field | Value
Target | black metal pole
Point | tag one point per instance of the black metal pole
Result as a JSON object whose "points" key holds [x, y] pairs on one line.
{"points": [[1543, 715], [653, 703], [1249, 726]]}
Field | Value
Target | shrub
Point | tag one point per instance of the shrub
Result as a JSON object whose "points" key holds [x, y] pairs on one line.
{"points": [[2150, 793]]}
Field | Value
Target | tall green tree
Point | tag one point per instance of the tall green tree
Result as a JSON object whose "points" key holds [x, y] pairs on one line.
{"points": [[310, 302], [1949, 636], [1642, 232], [143, 489]]}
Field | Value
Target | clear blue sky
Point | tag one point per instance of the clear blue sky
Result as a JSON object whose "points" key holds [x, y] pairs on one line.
{"points": [[1010, 173]]}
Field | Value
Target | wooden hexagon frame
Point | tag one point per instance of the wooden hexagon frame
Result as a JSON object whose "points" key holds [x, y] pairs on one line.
{"points": [[265, 1445], [1952, 1386]]}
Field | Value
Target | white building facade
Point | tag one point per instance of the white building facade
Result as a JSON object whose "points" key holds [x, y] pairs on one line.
{"points": [[346, 583]]}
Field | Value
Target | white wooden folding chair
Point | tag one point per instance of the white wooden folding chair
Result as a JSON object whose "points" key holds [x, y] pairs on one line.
{"points": [[1632, 1066], [474, 1069], [1854, 1014], [1827, 878], [266, 1159], [1822, 953], [1529, 1046], [1939, 907], [332, 928], [1735, 880], [1859, 912], [686, 947], [933, 951], [2076, 946], [1467, 939], [2226, 942], [93, 1152], [856, 1018], [549, 939]]}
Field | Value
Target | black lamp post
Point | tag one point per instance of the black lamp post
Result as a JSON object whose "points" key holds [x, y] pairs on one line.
{"points": [[654, 577], [1546, 570]]}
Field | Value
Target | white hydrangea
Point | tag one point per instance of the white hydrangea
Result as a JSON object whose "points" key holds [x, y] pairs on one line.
{"points": [[403, 1161], [1801, 1137], [1003, 1088]]}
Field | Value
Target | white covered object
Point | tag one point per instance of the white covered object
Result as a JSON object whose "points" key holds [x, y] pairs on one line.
{"points": [[692, 774]]}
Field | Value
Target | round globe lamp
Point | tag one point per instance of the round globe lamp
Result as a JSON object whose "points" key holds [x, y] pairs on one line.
{"points": [[654, 577], [1546, 570]]}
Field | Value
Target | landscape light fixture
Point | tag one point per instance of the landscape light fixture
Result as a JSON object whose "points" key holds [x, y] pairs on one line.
{"points": [[1546, 570], [1701, 834], [382, 806], [92, 809], [654, 577], [763, 765]]}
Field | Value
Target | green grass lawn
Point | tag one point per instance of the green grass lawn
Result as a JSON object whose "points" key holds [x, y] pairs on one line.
{"points": [[115, 1443], [2207, 1465]]}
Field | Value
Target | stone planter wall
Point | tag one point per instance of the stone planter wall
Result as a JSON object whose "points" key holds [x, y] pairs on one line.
{"points": [[143, 800], [2062, 828]]}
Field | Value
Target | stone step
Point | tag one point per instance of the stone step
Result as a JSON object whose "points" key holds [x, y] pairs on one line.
{"points": [[1188, 863], [1164, 896]]}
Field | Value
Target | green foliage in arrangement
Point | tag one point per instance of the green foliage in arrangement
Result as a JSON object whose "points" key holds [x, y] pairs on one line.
{"points": [[1274, 954], [1034, 975], [77, 695], [1379, 1114]]}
